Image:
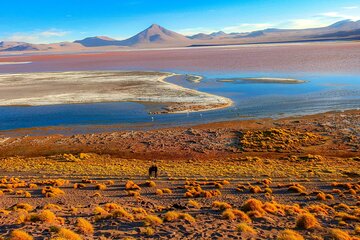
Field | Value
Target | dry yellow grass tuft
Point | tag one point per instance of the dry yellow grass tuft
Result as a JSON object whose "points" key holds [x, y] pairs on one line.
{"points": [[289, 235], [220, 205], [130, 185], [46, 216], [24, 206], [84, 226], [139, 213], [171, 216], [20, 235], [100, 186], [79, 185], [174, 215], [307, 221], [151, 220], [245, 228], [159, 192], [150, 184], [52, 191], [68, 234], [194, 204], [53, 207], [255, 189], [122, 213], [109, 207], [337, 234], [297, 188], [253, 205], [100, 211], [187, 217], [147, 231]]}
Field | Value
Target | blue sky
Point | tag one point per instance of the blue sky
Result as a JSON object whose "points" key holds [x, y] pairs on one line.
{"points": [[44, 21]]}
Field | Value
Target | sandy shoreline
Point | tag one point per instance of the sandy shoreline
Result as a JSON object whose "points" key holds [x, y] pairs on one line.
{"points": [[35, 89]]}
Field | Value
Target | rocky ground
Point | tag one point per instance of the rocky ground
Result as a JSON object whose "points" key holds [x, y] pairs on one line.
{"points": [[293, 178]]}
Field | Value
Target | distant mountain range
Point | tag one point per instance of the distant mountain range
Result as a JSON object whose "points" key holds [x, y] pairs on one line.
{"points": [[157, 36]]}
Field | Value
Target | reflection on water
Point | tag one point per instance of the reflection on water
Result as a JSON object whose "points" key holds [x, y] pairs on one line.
{"points": [[251, 99]]}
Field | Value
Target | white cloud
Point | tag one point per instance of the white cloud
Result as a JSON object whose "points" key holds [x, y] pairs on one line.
{"points": [[306, 23], [338, 15], [37, 37], [247, 27], [351, 7]]}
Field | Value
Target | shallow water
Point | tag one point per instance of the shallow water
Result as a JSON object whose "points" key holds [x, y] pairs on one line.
{"points": [[251, 100]]}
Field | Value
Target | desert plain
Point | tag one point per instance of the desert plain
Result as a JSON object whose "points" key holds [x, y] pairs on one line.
{"points": [[292, 178]]}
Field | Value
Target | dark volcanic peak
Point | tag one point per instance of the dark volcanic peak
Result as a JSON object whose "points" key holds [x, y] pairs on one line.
{"points": [[21, 47], [218, 34], [346, 25], [155, 34], [97, 41]]}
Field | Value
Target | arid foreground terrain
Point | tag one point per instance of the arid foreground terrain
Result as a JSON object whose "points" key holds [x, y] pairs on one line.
{"points": [[294, 178]]}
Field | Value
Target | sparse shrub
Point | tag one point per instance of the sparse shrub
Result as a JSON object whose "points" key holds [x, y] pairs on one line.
{"points": [[240, 215], [187, 217], [174, 215], [225, 182], [53, 207], [343, 216], [44, 216], [357, 229], [27, 194], [228, 214], [101, 186], [268, 190], [171, 216], [167, 190], [100, 211], [130, 185], [151, 220], [79, 185], [318, 209], [109, 207], [33, 186], [139, 213], [20, 235], [194, 204], [289, 235], [321, 196], [159, 192], [150, 184], [84, 226], [68, 234], [255, 189], [297, 188], [306, 221], [253, 205], [245, 228], [220, 205], [147, 231], [342, 206], [122, 213], [24, 206], [52, 192], [109, 182], [337, 234]]}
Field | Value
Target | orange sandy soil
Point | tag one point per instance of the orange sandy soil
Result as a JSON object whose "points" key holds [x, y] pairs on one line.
{"points": [[298, 168]]}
